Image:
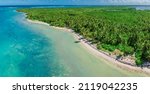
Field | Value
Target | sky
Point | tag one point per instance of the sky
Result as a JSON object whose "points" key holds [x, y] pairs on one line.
{"points": [[75, 2]]}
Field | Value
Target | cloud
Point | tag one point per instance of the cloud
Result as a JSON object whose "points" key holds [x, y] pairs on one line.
{"points": [[78, 2], [137, 1], [130, 2]]}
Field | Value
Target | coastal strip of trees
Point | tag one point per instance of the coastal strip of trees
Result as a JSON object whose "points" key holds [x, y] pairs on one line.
{"points": [[110, 28]]}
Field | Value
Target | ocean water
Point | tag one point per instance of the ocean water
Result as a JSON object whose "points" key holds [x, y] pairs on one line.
{"points": [[23, 52], [142, 7], [35, 50]]}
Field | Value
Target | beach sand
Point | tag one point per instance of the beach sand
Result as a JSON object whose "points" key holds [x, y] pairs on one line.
{"points": [[37, 22], [97, 53]]}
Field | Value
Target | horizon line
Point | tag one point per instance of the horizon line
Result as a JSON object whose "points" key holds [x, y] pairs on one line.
{"points": [[76, 5]]}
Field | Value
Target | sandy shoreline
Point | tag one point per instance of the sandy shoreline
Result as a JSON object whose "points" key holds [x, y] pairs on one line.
{"points": [[97, 52], [37, 22]]}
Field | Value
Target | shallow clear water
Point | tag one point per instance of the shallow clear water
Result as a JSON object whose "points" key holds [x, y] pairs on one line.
{"points": [[28, 49], [23, 52]]}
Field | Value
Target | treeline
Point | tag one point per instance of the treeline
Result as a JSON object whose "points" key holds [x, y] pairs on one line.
{"points": [[122, 28]]}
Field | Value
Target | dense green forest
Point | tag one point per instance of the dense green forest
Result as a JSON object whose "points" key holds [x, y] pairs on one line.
{"points": [[122, 28]]}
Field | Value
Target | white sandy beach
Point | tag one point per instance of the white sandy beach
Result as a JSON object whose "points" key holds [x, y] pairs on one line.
{"points": [[37, 22], [98, 53]]}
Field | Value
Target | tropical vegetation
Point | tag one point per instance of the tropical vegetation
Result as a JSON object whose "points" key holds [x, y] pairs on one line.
{"points": [[111, 28]]}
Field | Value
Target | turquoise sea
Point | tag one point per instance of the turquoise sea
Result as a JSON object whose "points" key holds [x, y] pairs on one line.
{"points": [[23, 52], [34, 50]]}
